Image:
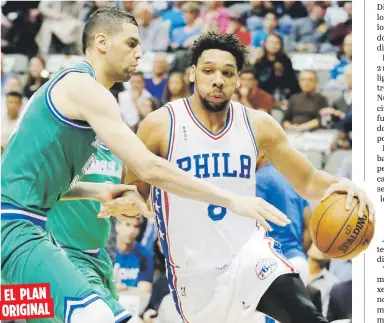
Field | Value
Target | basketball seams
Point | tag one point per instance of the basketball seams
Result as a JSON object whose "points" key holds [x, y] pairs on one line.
{"points": [[319, 222], [338, 233]]}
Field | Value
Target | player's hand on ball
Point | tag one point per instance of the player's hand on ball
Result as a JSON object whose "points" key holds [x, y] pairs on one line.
{"points": [[130, 204], [260, 210], [352, 190]]}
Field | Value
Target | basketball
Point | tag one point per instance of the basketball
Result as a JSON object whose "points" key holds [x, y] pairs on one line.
{"points": [[339, 233]]}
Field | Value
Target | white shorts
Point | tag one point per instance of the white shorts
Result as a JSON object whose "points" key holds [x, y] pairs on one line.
{"points": [[231, 294]]}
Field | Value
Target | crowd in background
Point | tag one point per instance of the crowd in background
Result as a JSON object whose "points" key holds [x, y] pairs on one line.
{"points": [[282, 36]]}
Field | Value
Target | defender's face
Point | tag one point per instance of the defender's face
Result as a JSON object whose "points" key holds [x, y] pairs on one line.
{"points": [[215, 77], [124, 52]]}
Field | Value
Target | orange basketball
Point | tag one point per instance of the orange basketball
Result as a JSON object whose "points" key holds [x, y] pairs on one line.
{"points": [[339, 233]]}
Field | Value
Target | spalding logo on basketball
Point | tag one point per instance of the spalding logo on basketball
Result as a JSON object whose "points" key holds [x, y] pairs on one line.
{"points": [[265, 267], [339, 233]]}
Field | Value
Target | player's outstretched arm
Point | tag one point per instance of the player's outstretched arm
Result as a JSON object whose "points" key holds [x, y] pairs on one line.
{"points": [[311, 183], [92, 103]]}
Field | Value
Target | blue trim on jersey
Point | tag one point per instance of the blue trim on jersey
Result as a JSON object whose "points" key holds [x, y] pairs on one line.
{"points": [[104, 147], [162, 229], [227, 122], [53, 109], [170, 132], [93, 74], [250, 128], [78, 302], [122, 316], [12, 212]]}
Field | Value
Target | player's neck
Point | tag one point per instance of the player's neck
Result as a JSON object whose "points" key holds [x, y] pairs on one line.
{"points": [[101, 75], [213, 121]]}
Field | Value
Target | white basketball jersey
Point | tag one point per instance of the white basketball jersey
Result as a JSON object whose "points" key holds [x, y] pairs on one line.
{"points": [[197, 235]]}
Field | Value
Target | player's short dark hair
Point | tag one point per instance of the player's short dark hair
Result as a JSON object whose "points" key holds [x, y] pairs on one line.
{"points": [[226, 42], [14, 93], [109, 19]]}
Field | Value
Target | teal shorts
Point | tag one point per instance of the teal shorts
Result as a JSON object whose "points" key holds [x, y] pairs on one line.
{"points": [[29, 255]]}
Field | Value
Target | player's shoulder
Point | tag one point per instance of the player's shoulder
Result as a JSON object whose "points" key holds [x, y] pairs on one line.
{"points": [[159, 118], [80, 86]]}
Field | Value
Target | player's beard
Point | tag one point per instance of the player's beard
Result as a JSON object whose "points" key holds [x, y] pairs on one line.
{"points": [[213, 107]]}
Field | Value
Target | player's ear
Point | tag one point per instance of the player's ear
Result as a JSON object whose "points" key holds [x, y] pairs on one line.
{"points": [[192, 75], [101, 42]]}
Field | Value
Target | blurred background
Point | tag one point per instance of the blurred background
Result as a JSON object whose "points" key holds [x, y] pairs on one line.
{"points": [[299, 70]]}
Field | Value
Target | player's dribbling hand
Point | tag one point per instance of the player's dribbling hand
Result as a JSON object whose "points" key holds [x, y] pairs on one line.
{"points": [[130, 204], [260, 210], [352, 190]]}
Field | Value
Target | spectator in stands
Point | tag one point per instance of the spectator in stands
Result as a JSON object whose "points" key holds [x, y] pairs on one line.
{"points": [[131, 99], [293, 9], [183, 37], [251, 95], [215, 16], [331, 116], [338, 33], [276, 74], [319, 276], [176, 88], [288, 12], [153, 32], [133, 264], [345, 59], [295, 240], [303, 108], [37, 76], [174, 17], [149, 105], [100, 4], [336, 14], [157, 83], [4, 75], [8, 123], [236, 27], [270, 26], [310, 34], [340, 302], [253, 18], [22, 28], [13, 84], [62, 27]]}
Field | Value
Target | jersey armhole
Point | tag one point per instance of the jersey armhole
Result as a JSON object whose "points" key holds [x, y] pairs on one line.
{"points": [[172, 130], [77, 124], [249, 128]]}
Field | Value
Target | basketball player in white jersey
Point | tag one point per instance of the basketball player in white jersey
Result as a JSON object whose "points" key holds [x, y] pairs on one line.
{"points": [[222, 268]]}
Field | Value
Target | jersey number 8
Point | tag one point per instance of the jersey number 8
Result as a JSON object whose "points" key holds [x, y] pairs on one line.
{"points": [[216, 213]]}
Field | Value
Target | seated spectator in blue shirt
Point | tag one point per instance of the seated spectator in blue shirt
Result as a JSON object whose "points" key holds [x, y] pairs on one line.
{"points": [[270, 26], [345, 59], [184, 37], [157, 83], [295, 239], [133, 263], [173, 17]]}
